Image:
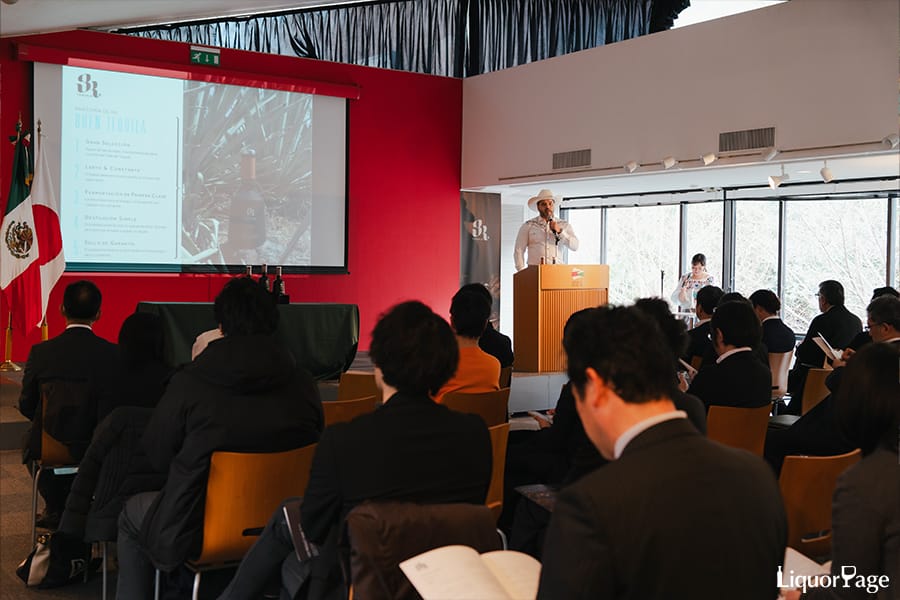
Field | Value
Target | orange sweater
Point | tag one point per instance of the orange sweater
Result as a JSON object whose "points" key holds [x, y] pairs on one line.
{"points": [[478, 371]]}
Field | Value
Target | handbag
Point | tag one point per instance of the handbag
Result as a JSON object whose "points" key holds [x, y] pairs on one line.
{"points": [[55, 560]]}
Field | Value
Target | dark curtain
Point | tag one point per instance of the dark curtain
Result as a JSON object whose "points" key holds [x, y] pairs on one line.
{"points": [[456, 38]]}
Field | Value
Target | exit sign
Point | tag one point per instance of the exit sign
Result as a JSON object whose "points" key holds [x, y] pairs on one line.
{"points": [[201, 55]]}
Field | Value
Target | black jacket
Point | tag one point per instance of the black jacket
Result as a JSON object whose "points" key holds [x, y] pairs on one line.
{"points": [[242, 394], [740, 380], [837, 324], [777, 337]]}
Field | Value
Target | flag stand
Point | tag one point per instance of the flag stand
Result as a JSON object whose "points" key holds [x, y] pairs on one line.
{"points": [[7, 364]]}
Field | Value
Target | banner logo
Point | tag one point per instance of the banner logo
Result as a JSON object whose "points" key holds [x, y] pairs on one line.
{"points": [[19, 238], [86, 85]]}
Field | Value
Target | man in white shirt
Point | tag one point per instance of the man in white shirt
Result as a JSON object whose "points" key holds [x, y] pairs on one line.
{"points": [[543, 235], [637, 527]]}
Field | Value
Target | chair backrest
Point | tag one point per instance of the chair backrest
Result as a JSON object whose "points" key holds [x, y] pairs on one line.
{"points": [[696, 361], [779, 364], [242, 492], [340, 411], [499, 439], [384, 534], [814, 390], [807, 485], [493, 407], [357, 384], [506, 376], [68, 418], [739, 427]]}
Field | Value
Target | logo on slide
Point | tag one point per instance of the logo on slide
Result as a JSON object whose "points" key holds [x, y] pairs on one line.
{"points": [[86, 85], [19, 238]]}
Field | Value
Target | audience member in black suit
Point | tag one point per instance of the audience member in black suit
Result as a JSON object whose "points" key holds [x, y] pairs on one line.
{"points": [[409, 449], [75, 355], [698, 338], [737, 378], [776, 336], [244, 393], [837, 324], [818, 433], [759, 350], [865, 512], [636, 527], [492, 341], [862, 338]]}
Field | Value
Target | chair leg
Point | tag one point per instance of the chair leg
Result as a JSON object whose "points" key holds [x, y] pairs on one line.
{"points": [[35, 471], [103, 547], [196, 593], [502, 538], [156, 586]]}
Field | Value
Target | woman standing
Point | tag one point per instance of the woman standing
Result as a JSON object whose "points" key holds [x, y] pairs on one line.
{"points": [[685, 295]]}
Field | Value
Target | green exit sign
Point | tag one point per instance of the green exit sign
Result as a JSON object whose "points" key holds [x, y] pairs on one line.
{"points": [[201, 55]]}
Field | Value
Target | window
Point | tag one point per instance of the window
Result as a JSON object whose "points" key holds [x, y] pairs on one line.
{"points": [[843, 240], [704, 235], [587, 225], [756, 246], [642, 252]]}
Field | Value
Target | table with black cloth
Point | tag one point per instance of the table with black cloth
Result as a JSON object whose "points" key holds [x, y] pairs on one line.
{"points": [[322, 337]]}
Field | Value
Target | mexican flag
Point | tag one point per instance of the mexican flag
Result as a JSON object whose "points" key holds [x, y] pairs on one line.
{"points": [[31, 256]]}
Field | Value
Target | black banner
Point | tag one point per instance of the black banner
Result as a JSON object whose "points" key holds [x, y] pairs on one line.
{"points": [[479, 243]]}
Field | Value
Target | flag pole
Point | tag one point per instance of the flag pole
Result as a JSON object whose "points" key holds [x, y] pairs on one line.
{"points": [[8, 364], [45, 332]]}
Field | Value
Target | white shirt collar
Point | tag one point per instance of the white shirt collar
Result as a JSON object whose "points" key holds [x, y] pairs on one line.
{"points": [[725, 355], [81, 325], [642, 426], [892, 340], [770, 318]]}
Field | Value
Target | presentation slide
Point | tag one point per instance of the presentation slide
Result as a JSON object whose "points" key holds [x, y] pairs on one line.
{"points": [[168, 173]]}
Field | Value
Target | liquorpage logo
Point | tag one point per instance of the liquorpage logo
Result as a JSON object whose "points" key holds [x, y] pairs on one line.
{"points": [[848, 578], [87, 85]]}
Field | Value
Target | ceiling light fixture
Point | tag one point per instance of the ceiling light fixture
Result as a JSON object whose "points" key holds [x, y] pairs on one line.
{"points": [[891, 141], [669, 162], [631, 166], [709, 158], [825, 172], [769, 153], [777, 180]]}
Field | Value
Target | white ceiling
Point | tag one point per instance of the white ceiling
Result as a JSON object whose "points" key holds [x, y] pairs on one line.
{"points": [[18, 17]]}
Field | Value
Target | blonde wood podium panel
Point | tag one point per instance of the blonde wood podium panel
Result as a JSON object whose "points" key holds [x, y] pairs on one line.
{"points": [[544, 297]]}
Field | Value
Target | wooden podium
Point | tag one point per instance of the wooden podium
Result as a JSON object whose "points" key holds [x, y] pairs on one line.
{"points": [[544, 297]]}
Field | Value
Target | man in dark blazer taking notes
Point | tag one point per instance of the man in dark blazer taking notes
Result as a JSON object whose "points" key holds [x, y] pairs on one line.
{"points": [[673, 515]]}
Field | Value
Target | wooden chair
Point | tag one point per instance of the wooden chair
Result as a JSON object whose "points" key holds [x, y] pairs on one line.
{"points": [[814, 390], [779, 364], [493, 407], [506, 376], [381, 535], [739, 427], [340, 411], [499, 439], [807, 486], [357, 384], [242, 492], [696, 361]]}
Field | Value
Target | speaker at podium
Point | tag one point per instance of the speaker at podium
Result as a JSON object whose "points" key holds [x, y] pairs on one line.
{"points": [[544, 297]]}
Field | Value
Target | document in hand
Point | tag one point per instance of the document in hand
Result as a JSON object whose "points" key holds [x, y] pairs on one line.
{"points": [[825, 347], [460, 573]]}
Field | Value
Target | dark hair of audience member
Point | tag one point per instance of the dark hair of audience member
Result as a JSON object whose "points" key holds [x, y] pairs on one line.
{"points": [[708, 298], [885, 310], [414, 348], [674, 330], [885, 291], [767, 300], [866, 403], [81, 300], [625, 347], [141, 339], [478, 288], [469, 314], [732, 297], [738, 323], [699, 259], [832, 291], [243, 307]]}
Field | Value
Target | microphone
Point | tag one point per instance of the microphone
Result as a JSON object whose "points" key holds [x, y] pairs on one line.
{"points": [[553, 231]]}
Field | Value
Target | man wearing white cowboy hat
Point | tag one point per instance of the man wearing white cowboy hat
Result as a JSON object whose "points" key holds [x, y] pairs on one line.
{"points": [[543, 235]]}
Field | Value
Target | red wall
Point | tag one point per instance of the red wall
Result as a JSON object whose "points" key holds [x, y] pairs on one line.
{"points": [[404, 174]]}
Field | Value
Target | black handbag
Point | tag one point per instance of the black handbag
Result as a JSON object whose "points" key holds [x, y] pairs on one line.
{"points": [[55, 560]]}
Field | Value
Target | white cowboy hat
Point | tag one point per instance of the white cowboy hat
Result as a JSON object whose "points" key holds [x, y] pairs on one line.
{"points": [[542, 195]]}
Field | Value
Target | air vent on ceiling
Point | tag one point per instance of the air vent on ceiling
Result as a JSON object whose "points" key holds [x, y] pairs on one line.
{"points": [[748, 139], [573, 158]]}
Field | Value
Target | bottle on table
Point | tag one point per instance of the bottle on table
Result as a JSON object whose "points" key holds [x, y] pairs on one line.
{"points": [[264, 278], [278, 288]]}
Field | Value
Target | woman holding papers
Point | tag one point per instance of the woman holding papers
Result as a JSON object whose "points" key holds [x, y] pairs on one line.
{"points": [[866, 508], [685, 295]]}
